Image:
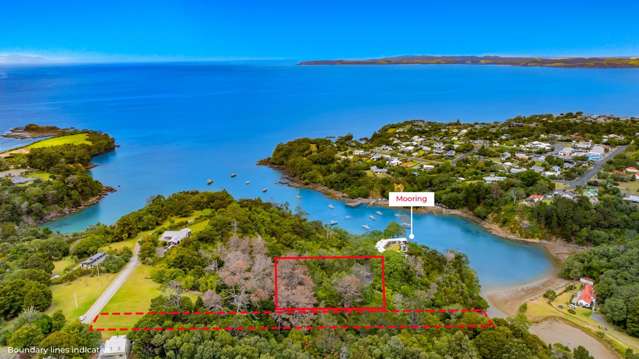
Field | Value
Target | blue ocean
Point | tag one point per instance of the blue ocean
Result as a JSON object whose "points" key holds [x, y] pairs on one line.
{"points": [[179, 124]]}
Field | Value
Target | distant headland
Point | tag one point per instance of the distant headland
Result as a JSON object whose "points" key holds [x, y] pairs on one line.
{"points": [[572, 62]]}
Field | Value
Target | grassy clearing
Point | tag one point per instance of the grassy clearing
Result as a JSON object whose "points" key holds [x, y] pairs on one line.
{"points": [[77, 139], [119, 245], [62, 264], [45, 176], [135, 295], [629, 187], [74, 298]]}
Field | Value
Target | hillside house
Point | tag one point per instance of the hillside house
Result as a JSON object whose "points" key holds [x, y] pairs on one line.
{"points": [[535, 198], [383, 243], [173, 238], [493, 179], [586, 296], [632, 198], [116, 347], [93, 261], [378, 171]]}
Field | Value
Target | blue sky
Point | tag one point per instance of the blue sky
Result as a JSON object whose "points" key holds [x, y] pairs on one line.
{"points": [[317, 29]]}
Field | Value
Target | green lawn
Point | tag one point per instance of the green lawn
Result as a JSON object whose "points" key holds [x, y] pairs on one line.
{"points": [[45, 176], [74, 298], [630, 187], [135, 295], [62, 264], [77, 139], [119, 245]]}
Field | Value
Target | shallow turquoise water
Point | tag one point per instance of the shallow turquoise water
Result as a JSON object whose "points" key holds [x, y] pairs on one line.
{"points": [[179, 124]]}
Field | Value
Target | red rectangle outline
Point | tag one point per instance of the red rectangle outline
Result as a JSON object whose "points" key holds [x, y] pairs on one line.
{"points": [[276, 260]]}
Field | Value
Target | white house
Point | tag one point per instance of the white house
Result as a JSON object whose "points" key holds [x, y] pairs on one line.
{"points": [[116, 347], [395, 162], [632, 198], [378, 171], [493, 179], [93, 261], [383, 243], [173, 238]]}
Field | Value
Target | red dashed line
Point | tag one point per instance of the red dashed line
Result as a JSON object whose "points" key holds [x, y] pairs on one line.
{"points": [[488, 325], [309, 311]]}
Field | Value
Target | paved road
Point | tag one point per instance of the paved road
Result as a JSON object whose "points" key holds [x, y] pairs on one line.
{"points": [[113, 288], [595, 168]]}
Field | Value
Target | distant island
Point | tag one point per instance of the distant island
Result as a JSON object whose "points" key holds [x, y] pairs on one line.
{"points": [[572, 62]]}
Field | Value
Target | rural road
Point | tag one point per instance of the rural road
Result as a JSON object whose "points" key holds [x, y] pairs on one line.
{"points": [[113, 288], [582, 180]]}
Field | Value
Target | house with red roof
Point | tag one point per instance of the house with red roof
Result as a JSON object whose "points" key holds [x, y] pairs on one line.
{"points": [[534, 198], [586, 296]]}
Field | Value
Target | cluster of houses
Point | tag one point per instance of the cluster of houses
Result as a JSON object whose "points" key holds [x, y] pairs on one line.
{"points": [[592, 193], [16, 176], [582, 149]]}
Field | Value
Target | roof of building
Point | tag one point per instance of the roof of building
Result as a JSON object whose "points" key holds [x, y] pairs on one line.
{"points": [[587, 294], [116, 344], [173, 235], [382, 243], [94, 257]]}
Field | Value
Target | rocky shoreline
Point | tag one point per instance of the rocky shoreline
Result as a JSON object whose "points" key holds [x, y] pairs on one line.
{"points": [[86, 204]]}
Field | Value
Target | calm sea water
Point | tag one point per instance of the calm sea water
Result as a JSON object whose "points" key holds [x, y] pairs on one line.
{"points": [[179, 124]]}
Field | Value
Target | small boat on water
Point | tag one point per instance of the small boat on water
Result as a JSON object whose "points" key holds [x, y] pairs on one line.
{"points": [[264, 190], [209, 182], [333, 222], [298, 196], [233, 175], [371, 217], [247, 182], [366, 227], [347, 217], [331, 206], [397, 215], [379, 213], [407, 225]]}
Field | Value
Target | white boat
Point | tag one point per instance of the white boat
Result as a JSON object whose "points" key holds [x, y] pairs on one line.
{"points": [[347, 217], [397, 215], [233, 175], [379, 213], [298, 196], [209, 182], [371, 217], [407, 225], [331, 206], [247, 183], [366, 227], [333, 222], [264, 189]]}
